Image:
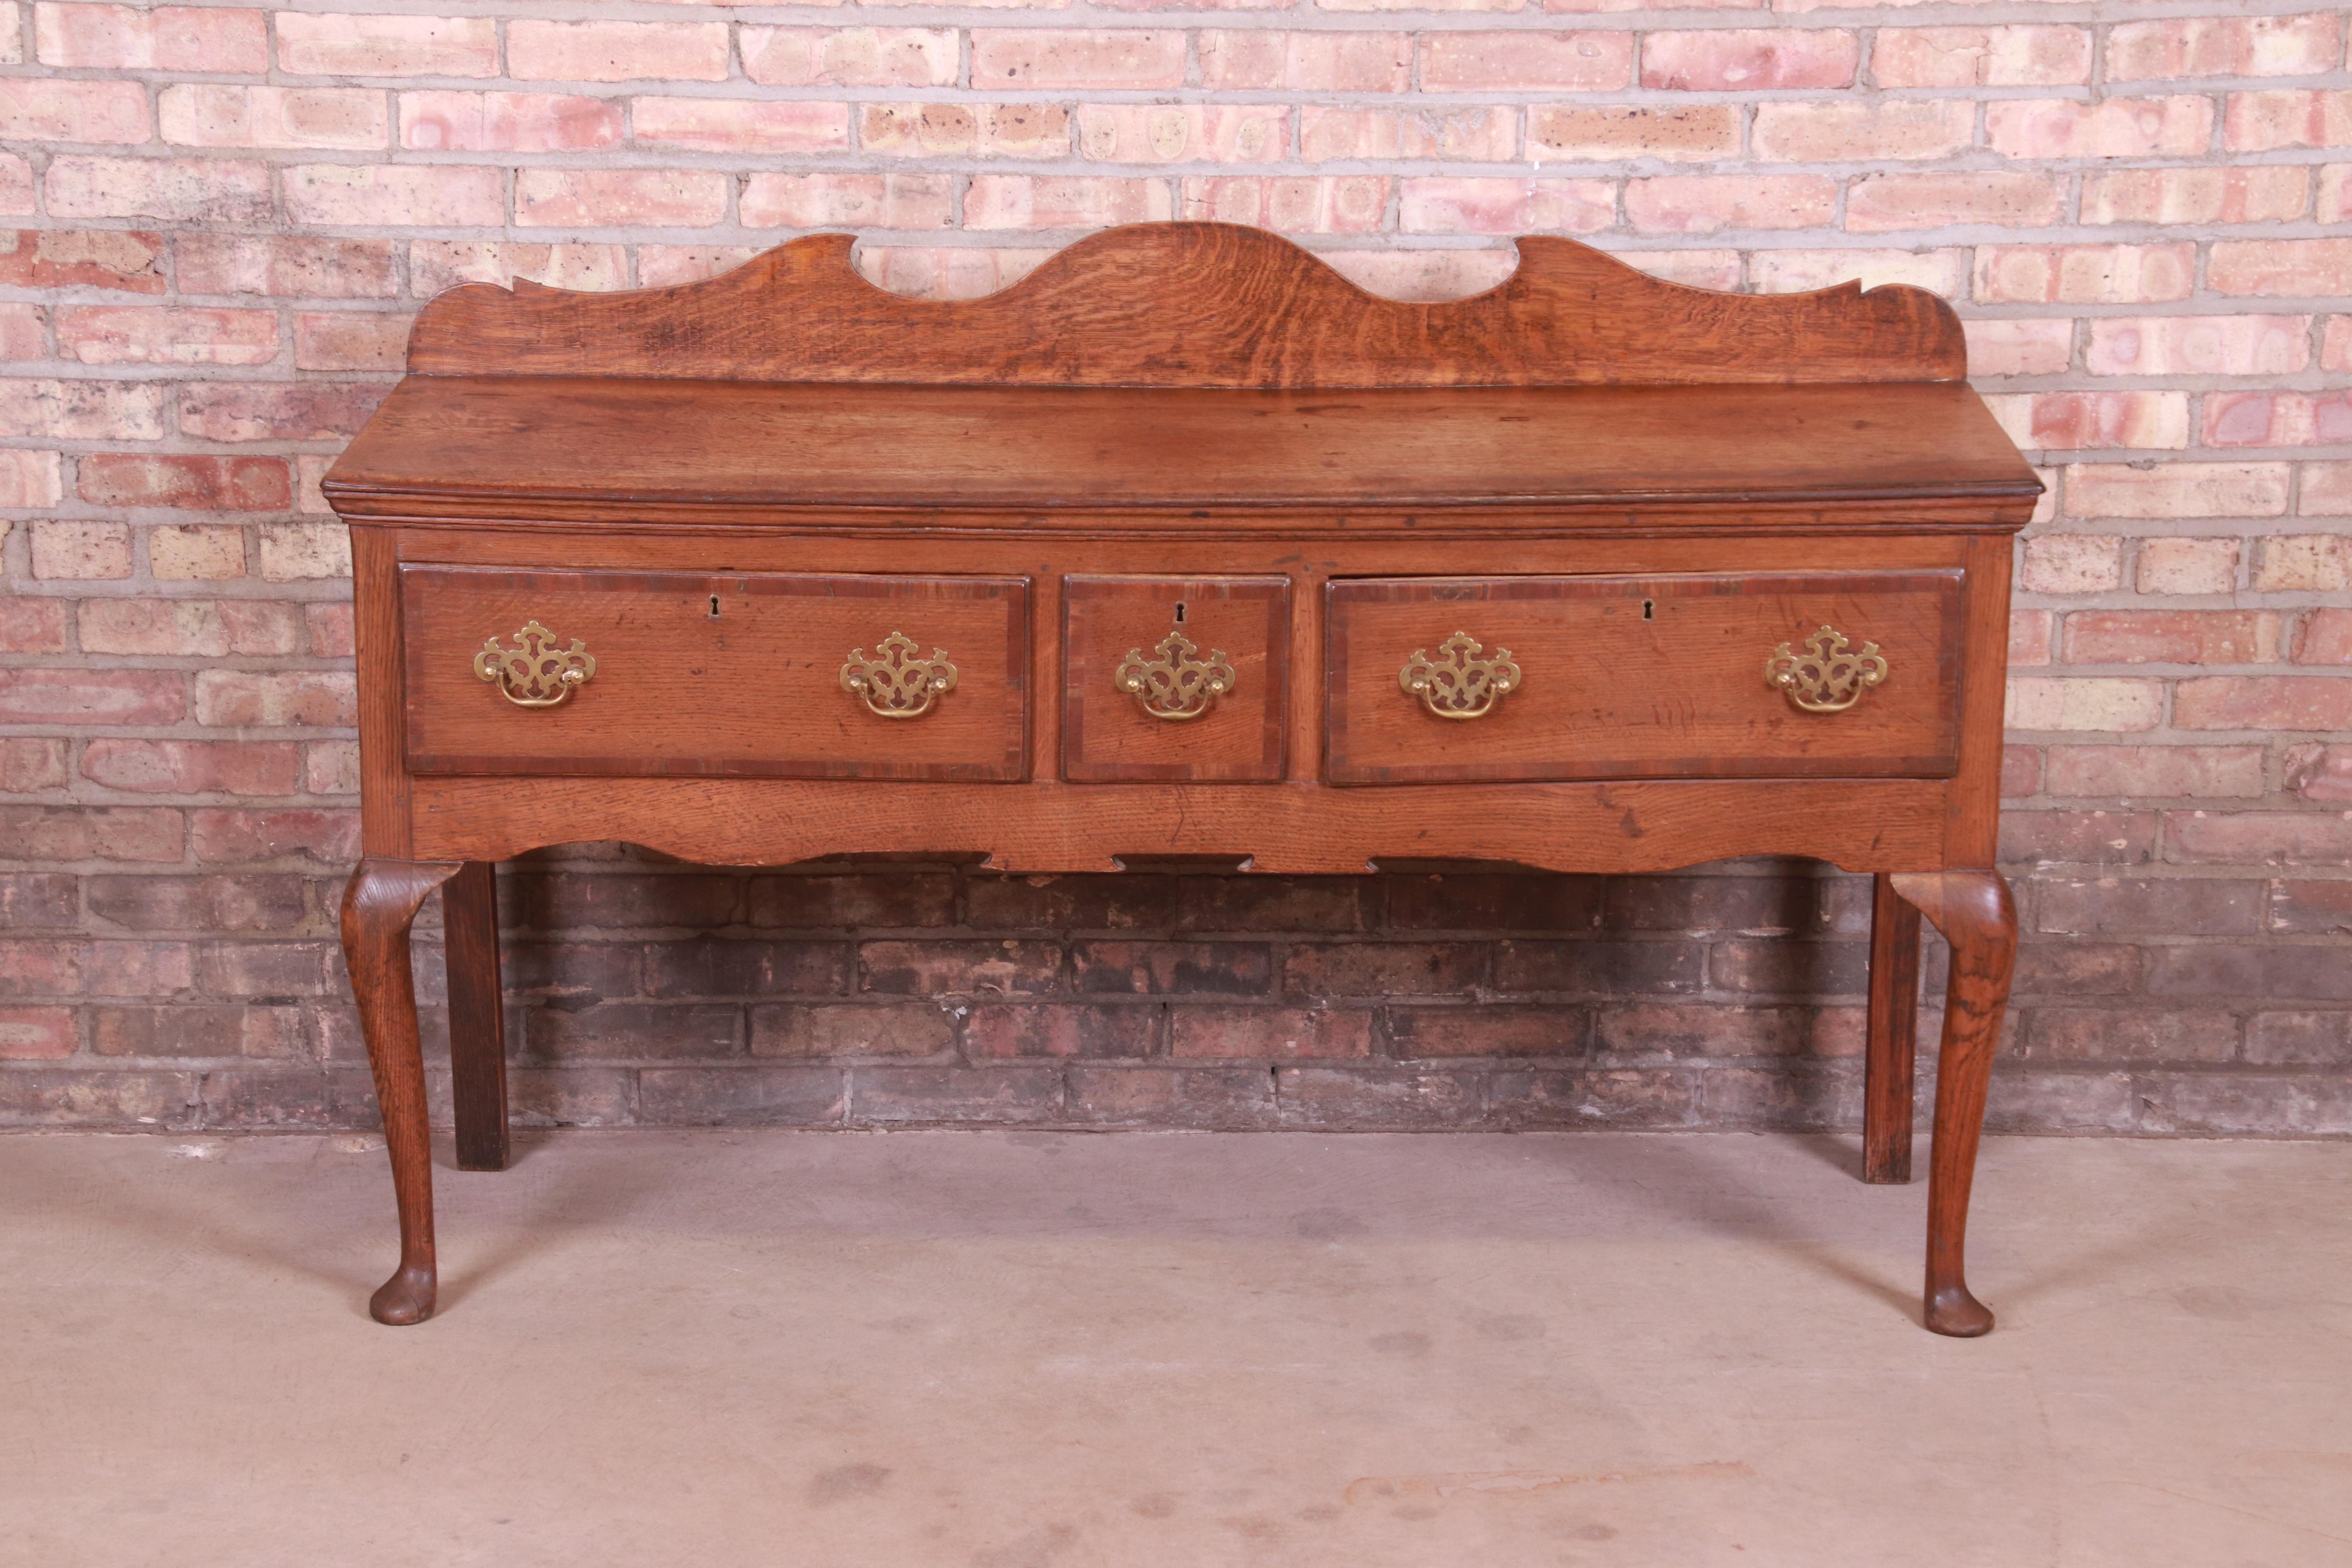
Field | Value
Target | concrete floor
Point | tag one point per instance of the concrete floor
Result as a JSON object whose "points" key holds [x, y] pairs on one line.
{"points": [[1034, 1350]]}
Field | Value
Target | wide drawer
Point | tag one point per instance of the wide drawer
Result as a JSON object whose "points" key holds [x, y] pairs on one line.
{"points": [[1844, 674], [780, 675]]}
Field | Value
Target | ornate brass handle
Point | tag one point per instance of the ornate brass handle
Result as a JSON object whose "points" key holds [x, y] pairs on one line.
{"points": [[1458, 683], [1825, 677], [1176, 686], [894, 683], [535, 673]]}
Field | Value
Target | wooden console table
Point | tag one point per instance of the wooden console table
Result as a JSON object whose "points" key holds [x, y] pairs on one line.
{"points": [[1184, 545]]}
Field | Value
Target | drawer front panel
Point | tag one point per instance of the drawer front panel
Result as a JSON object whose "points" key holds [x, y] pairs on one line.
{"points": [[1660, 677], [1174, 679], [755, 688]]}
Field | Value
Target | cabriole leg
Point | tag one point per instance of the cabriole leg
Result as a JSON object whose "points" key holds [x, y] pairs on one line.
{"points": [[1887, 1095], [1974, 912], [379, 906], [478, 1037]]}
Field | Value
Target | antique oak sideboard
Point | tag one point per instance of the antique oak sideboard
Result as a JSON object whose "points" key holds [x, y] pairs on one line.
{"points": [[1184, 545]]}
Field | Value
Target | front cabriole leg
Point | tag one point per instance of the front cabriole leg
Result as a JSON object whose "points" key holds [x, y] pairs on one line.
{"points": [[1974, 912], [379, 906]]}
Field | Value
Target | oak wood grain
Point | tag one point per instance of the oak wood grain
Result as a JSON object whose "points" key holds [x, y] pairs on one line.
{"points": [[1642, 677], [1193, 305], [1108, 736], [754, 689]]}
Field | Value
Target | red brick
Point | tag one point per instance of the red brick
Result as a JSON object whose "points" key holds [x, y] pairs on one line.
{"points": [[2113, 128], [27, 902], [81, 410], [2324, 636], [2335, 345], [2043, 702], [199, 628], [277, 411], [2187, 566], [222, 836], [1263, 1034], [2021, 771], [2072, 563], [2078, 837], [63, 832], [130, 260], [2084, 274], [2176, 490], [739, 125], [1878, 203], [175, 190], [961, 968], [1173, 968], [2012, 347], [92, 695], [194, 767], [1059, 1029], [166, 38], [1845, 133], [1384, 968], [2308, 562], [292, 696], [32, 110], [1735, 60], [33, 1034], [437, 264], [351, 340], [619, 198], [853, 201], [444, 122], [1019, 59], [2276, 837], [2262, 193], [24, 334], [990, 130], [1172, 1097], [2288, 117], [161, 903], [1479, 60], [395, 194], [850, 57], [2335, 204], [140, 334], [330, 44], [1306, 62], [2264, 702], [616, 51], [2154, 772], [1063, 201], [73, 548], [199, 1031], [1495, 205], [29, 625], [2029, 636], [15, 185], [330, 628], [1603, 133], [2074, 421], [913, 1029], [2224, 46], [171, 479], [2317, 267], [1703, 204], [1421, 1033], [2110, 1034], [2172, 636], [2198, 345], [1242, 133], [2031, 55], [2277, 419], [287, 265], [214, 114]]}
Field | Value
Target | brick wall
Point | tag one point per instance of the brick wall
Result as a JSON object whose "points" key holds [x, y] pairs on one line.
{"points": [[223, 218]]}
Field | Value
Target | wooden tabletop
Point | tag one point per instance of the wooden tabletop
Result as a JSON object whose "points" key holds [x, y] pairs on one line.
{"points": [[520, 440]]}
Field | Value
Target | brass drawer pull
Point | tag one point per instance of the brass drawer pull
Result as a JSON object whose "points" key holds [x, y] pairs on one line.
{"points": [[1176, 686], [1458, 684], [535, 673], [894, 683], [1825, 678]]}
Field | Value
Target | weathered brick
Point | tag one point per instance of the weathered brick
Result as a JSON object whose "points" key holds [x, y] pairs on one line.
{"points": [[448, 121], [126, 334], [1172, 1097], [1277, 903], [203, 628], [850, 57], [351, 340], [1703, 204], [2084, 274], [322, 44], [1172, 968], [2310, 908], [616, 51], [907, 1029], [1483, 204], [2263, 194], [2120, 837], [2172, 636], [31, 763], [2224, 46], [164, 38], [2297, 1039], [738, 1097], [290, 266], [435, 265], [862, 201], [196, 1031], [1595, 1097], [36, 1033], [395, 194], [2255, 837], [961, 968], [1015, 59], [2026, 56], [1704, 1029], [1384, 968], [1480, 901], [192, 767], [79, 1098], [1063, 1029], [63, 832], [1277, 1033], [2187, 566], [2198, 345], [224, 836], [1844, 132], [2264, 702], [174, 190], [624, 1031], [81, 410], [1372, 1098], [901, 1095], [70, 110], [29, 696], [168, 903], [1475, 60], [541, 901], [1735, 60], [707, 966], [2154, 772], [1305, 62], [130, 260]]}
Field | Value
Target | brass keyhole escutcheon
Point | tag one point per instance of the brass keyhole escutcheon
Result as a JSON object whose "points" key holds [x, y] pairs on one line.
{"points": [[1178, 685], [1458, 683], [535, 672], [1825, 677], [894, 683]]}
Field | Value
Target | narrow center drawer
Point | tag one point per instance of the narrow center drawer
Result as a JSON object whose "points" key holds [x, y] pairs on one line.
{"points": [[1839, 674], [650, 673]]}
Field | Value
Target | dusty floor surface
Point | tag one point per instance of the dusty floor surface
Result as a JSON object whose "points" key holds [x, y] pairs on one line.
{"points": [[1035, 1350]]}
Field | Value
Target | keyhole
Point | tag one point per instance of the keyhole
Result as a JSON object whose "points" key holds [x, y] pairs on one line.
{"points": [[714, 606], [1649, 609], [1180, 612]]}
